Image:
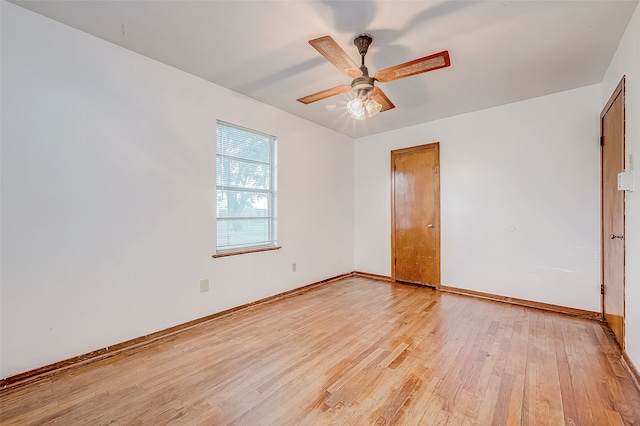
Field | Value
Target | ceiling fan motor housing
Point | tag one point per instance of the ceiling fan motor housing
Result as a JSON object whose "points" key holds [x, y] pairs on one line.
{"points": [[362, 85]]}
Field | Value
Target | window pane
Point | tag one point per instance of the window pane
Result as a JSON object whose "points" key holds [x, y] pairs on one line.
{"points": [[243, 174], [243, 144], [243, 204], [243, 233]]}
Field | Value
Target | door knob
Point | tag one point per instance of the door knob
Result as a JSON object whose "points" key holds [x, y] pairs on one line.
{"points": [[430, 225], [614, 236]]}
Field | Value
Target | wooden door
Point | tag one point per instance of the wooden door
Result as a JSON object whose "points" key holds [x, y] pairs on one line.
{"points": [[613, 245], [415, 215]]}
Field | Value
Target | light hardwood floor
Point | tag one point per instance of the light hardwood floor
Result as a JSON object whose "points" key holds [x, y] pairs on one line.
{"points": [[354, 352]]}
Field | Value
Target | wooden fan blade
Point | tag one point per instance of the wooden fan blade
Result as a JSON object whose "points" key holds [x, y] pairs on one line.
{"points": [[324, 94], [428, 63], [378, 95], [334, 54]]}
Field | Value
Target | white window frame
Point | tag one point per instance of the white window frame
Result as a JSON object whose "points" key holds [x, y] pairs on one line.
{"points": [[271, 243]]}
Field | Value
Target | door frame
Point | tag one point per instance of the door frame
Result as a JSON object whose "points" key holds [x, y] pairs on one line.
{"points": [[619, 91], [435, 146]]}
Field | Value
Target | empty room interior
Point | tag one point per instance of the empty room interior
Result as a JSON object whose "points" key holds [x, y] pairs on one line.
{"points": [[320, 212]]}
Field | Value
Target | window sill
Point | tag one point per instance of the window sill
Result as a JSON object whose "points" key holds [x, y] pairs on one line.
{"points": [[245, 251]]}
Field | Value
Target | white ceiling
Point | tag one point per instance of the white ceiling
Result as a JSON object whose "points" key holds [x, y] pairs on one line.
{"points": [[501, 51]]}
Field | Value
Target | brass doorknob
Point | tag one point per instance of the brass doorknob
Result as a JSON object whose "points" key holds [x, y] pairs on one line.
{"points": [[430, 225]]}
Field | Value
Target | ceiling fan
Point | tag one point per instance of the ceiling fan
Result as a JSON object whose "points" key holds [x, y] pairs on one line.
{"points": [[369, 99]]}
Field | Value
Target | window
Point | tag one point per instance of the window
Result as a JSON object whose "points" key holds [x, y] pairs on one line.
{"points": [[245, 190]]}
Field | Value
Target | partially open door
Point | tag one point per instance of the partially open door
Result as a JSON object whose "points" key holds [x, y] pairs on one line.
{"points": [[613, 244]]}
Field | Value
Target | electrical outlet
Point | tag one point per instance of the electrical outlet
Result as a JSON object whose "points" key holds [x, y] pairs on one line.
{"points": [[204, 286], [294, 267]]}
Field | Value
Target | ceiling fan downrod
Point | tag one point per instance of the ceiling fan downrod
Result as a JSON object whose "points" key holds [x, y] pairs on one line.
{"points": [[362, 85]]}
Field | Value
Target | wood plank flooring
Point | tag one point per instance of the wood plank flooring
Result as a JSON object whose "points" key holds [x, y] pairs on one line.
{"points": [[353, 352]]}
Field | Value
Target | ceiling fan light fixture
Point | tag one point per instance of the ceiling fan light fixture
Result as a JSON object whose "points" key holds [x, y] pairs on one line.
{"points": [[372, 107], [359, 109], [356, 109]]}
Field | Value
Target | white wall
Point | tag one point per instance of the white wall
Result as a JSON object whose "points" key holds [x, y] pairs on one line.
{"points": [[532, 165], [108, 198], [627, 62]]}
